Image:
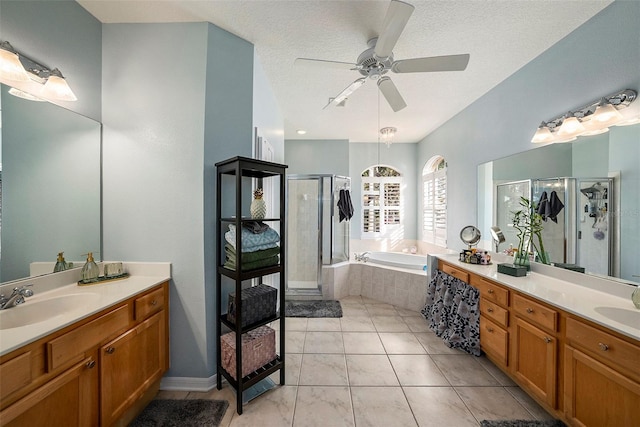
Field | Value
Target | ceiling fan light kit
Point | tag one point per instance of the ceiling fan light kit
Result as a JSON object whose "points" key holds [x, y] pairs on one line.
{"points": [[377, 60]]}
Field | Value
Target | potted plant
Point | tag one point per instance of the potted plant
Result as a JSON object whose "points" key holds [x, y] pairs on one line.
{"points": [[528, 222]]}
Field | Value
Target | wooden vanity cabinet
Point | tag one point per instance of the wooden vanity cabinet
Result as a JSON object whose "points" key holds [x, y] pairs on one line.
{"points": [[100, 371], [494, 320]]}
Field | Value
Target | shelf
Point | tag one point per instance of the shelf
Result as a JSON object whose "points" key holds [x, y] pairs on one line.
{"points": [[250, 168], [250, 274], [248, 328], [255, 376]]}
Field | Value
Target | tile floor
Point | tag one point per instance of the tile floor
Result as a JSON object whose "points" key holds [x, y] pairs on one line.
{"points": [[379, 365]]}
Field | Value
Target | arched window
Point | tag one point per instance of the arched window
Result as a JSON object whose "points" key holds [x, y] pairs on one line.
{"points": [[434, 201], [381, 201]]}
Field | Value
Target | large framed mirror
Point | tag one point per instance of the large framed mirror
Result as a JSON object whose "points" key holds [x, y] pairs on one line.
{"points": [[50, 185], [600, 234]]}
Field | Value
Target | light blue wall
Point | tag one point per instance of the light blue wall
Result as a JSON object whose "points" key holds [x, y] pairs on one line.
{"points": [[59, 34], [317, 156], [590, 157], [597, 59], [399, 156], [267, 116]]}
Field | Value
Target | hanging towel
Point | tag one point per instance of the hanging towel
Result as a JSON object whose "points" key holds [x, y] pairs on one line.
{"points": [[544, 206], [345, 208], [555, 206], [452, 312]]}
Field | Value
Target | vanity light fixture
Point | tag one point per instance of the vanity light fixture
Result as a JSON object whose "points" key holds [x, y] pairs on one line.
{"points": [[21, 72], [24, 95], [592, 119], [387, 134]]}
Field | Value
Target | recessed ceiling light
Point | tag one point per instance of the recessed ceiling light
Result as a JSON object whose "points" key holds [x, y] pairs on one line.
{"points": [[301, 131]]}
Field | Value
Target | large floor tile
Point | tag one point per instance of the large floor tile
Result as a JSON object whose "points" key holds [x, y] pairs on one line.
{"points": [[291, 324], [416, 324], [529, 404], [323, 369], [324, 324], [323, 342], [434, 344], [293, 362], [502, 378], [294, 341], [438, 407], [323, 406], [381, 310], [381, 406], [272, 409], [362, 343], [417, 370], [389, 324], [463, 370], [351, 299], [354, 311], [357, 324], [492, 403], [370, 370], [401, 343], [407, 313]]}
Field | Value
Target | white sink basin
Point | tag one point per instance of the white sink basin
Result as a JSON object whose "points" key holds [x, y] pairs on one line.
{"points": [[32, 312], [621, 315]]}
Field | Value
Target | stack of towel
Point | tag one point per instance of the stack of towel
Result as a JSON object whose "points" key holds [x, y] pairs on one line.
{"points": [[259, 246]]}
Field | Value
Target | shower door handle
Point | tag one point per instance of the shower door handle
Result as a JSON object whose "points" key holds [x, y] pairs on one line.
{"points": [[579, 234]]}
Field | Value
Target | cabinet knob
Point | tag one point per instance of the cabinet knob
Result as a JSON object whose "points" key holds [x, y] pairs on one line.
{"points": [[154, 303], [490, 310], [110, 350], [529, 310], [91, 364], [603, 346], [547, 340], [490, 329], [490, 291]]}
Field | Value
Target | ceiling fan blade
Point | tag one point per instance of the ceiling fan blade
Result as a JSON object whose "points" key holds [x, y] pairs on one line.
{"points": [[346, 92], [391, 94], [316, 63], [394, 22], [433, 63]]}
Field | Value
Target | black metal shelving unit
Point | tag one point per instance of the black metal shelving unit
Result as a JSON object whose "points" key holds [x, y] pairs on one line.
{"points": [[245, 170]]}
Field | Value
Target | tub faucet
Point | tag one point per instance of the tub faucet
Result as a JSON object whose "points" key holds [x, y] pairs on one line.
{"points": [[16, 298], [362, 257]]}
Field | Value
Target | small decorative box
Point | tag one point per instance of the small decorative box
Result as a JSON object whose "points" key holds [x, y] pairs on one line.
{"points": [[258, 303], [512, 270], [258, 349]]}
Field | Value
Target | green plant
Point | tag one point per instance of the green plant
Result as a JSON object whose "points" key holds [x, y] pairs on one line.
{"points": [[528, 222]]}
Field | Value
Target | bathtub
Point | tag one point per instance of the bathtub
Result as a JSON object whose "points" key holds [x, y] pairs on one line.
{"points": [[398, 259]]}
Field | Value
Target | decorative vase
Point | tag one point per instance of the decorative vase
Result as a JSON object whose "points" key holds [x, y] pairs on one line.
{"points": [[258, 207], [521, 258]]}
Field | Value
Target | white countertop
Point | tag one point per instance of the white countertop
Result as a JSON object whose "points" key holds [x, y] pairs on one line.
{"points": [[606, 309], [104, 295]]}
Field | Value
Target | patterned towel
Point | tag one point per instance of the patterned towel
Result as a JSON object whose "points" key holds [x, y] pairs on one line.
{"points": [[231, 255], [262, 263], [453, 313], [253, 242]]}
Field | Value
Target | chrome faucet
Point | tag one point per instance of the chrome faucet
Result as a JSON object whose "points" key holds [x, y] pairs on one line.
{"points": [[361, 257], [16, 298]]}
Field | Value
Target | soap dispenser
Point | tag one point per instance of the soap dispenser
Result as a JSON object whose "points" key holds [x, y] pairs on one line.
{"points": [[61, 264], [90, 270]]}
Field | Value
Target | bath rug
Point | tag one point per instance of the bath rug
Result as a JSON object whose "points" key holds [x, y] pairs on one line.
{"points": [[183, 413], [522, 423], [320, 308]]}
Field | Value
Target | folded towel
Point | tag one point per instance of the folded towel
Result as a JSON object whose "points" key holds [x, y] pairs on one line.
{"points": [[252, 242], [230, 252], [256, 227], [267, 262]]}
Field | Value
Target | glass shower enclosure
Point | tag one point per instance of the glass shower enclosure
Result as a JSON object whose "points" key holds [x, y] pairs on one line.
{"points": [[315, 234]]}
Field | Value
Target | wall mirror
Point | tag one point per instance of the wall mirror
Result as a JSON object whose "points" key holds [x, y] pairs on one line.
{"points": [[616, 153], [50, 185]]}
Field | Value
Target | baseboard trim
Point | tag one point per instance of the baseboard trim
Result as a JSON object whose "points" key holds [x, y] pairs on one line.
{"points": [[188, 383]]}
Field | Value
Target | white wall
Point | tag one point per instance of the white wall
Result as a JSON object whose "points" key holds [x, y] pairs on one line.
{"points": [[267, 116]]}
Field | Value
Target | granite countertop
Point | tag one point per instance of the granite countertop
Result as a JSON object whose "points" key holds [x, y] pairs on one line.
{"points": [[90, 300], [610, 310]]}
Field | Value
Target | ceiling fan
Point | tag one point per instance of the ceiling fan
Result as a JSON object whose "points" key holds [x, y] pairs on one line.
{"points": [[377, 59]]}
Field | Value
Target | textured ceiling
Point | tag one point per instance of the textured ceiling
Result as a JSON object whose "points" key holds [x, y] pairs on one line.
{"points": [[501, 37]]}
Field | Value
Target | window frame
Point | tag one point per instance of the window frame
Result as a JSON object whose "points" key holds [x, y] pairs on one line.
{"points": [[384, 210], [434, 205]]}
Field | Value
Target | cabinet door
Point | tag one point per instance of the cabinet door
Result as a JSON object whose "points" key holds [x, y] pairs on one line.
{"points": [[535, 360], [129, 365], [68, 400], [596, 395]]}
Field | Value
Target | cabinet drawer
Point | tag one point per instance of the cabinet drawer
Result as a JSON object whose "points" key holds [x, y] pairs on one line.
{"points": [[148, 304], [604, 346], [491, 291], [493, 339], [72, 345], [15, 374], [456, 272], [494, 312], [535, 313]]}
